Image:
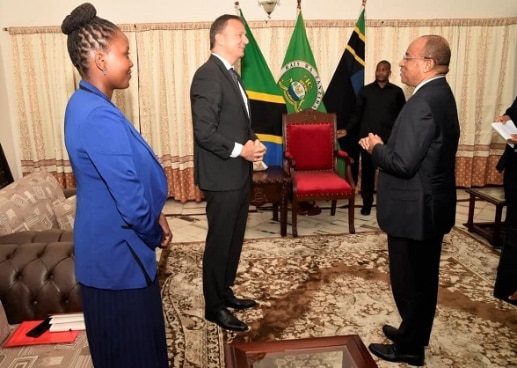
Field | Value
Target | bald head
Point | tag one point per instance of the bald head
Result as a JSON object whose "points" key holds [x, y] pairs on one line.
{"points": [[437, 48], [426, 57]]}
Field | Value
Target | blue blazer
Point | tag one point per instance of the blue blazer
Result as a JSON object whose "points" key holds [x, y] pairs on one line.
{"points": [[121, 190]]}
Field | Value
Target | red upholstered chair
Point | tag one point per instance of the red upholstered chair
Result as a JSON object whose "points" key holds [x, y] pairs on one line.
{"points": [[310, 158]]}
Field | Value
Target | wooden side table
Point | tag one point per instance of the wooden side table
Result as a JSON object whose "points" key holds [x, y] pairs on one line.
{"points": [[272, 186], [330, 351], [492, 231]]}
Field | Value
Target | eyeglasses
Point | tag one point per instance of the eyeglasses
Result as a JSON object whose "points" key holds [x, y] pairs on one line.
{"points": [[406, 58], [416, 58]]}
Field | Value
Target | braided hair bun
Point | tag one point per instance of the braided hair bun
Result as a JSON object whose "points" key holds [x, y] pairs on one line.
{"points": [[80, 16], [85, 32]]}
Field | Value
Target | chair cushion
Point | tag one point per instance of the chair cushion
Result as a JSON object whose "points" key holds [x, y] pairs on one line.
{"points": [[320, 184], [65, 213], [37, 279], [311, 145], [27, 204]]}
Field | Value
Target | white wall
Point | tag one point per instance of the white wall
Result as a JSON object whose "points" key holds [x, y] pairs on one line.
{"points": [[51, 12]]}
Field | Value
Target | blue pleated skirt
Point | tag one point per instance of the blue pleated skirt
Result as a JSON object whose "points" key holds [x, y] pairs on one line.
{"points": [[125, 328]]}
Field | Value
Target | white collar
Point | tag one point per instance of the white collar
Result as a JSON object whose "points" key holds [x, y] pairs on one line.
{"points": [[226, 63], [427, 81]]}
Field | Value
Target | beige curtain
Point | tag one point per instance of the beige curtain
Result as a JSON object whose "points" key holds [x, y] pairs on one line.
{"points": [[166, 56], [44, 80], [169, 56]]}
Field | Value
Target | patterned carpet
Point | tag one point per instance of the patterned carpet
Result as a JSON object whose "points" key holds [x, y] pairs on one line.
{"points": [[338, 285]]}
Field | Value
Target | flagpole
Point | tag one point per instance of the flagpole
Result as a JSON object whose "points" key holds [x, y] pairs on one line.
{"points": [[237, 7]]}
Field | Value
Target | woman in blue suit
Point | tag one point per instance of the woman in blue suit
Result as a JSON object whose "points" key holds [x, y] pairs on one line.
{"points": [[121, 190]]}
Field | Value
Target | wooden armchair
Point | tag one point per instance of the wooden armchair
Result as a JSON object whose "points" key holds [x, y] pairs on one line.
{"points": [[310, 158]]}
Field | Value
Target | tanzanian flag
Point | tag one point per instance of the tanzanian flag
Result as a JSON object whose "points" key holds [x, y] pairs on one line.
{"points": [[348, 78], [266, 102], [299, 80]]}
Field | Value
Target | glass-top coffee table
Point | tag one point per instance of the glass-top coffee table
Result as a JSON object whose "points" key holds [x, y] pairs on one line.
{"points": [[319, 352]]}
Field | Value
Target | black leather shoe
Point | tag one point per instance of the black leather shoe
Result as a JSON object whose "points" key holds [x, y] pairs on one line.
{"points": [[225, 319], [237, 303], [365, 211], [389, 352], [390, 332]]}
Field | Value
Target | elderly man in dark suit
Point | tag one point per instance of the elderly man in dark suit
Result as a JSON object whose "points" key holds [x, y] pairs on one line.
{"points": [[417, 194], [224, 148]]}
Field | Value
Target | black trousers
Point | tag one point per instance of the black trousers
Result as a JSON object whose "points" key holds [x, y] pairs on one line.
{"points": [[227, 214], [506, 279], [367, 178], [414, 268]]}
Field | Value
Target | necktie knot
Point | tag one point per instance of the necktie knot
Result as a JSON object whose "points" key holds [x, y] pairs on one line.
{"points": [[234, 75]]}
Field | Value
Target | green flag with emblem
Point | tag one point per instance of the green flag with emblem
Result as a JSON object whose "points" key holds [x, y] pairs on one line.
{"points": [[300, 80]]}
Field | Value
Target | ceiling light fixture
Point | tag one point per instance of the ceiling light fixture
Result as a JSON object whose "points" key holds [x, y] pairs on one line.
{"points": [[269, 6]]}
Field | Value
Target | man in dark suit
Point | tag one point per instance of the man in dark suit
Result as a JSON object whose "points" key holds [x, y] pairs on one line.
{"points": [[224, 148], [416, 196]]}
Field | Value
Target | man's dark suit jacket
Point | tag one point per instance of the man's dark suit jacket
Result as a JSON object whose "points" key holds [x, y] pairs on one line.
{"points": [[510, 153], [416, 197], [220, 119]]}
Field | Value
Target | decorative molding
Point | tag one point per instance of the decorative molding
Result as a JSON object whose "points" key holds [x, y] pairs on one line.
{"points": [[346, 23]]}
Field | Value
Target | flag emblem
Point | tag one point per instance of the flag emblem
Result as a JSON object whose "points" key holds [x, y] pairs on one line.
{"points": [[301, 84], [299, 78]]}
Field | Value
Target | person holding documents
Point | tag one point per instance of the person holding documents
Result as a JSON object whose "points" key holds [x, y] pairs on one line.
{"points": [[506, 280]]}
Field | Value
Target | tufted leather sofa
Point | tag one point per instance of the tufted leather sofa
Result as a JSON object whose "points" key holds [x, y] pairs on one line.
{"points": [[37, 275]]}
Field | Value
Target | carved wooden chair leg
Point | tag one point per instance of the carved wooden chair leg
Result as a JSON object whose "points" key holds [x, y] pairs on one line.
{"points": [[294, 211], [351, 212]]}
